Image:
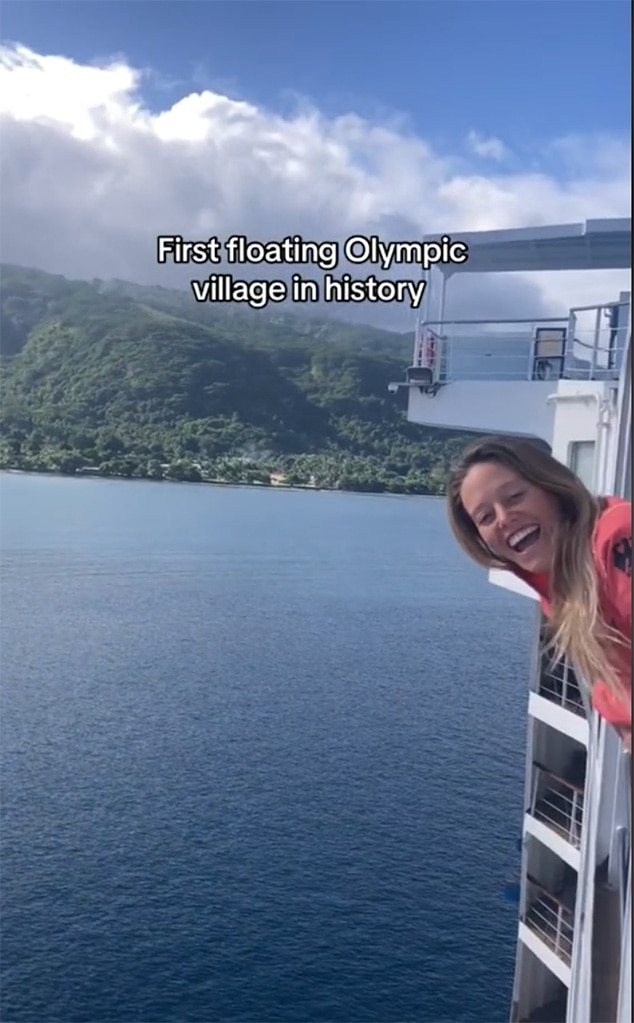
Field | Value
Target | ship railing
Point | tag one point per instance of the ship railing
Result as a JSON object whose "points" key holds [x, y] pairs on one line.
{"points": [[558, 803], [604, 341], [557, 348], [560, 685], [551, 921]]}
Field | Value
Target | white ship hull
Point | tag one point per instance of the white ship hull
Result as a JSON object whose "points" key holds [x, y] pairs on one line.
{"points": [[568, 382]]}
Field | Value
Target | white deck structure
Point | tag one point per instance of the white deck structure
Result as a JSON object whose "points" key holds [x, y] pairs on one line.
{"points": [[567, 381]]}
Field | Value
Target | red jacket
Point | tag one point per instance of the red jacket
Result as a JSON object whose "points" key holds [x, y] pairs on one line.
{"points": [[612, 547]]}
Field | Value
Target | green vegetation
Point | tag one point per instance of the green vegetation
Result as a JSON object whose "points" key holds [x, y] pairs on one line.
{"points": [[120, 379]]}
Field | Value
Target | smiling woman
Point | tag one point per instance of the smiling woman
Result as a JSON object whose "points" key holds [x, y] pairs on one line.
{"points": [[515, 507]]}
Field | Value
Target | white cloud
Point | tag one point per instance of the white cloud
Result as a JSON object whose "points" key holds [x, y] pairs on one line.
{"points": [[90, 176], [486, 148]]}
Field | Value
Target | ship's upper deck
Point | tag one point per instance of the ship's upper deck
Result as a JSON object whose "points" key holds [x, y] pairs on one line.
{"points": [[498, 375], [589, 245]]}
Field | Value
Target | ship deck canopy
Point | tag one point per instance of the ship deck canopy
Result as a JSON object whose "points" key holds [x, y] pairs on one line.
{"points": [[593, 245]]}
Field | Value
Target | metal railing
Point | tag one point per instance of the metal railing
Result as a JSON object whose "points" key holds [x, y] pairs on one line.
{"points": [[558, 803], [551, 921], [603, 342], [559, 685], [581, 346]]}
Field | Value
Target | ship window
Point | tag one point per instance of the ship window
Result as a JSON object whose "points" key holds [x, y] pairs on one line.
{"points": [[582, 461]]}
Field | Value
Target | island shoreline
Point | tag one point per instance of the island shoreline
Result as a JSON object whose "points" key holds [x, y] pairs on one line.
{"points": [[56, 474]]}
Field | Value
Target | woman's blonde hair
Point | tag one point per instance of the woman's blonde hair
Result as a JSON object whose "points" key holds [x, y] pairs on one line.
{"points": [[577, 627]]}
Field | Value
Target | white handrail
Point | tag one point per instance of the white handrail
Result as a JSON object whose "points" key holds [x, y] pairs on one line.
{"points": [[585, 354]]}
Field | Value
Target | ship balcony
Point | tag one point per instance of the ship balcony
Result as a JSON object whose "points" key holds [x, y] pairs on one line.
{"points": [[550, 916], [497, 375], [586, 345], [555, 814], [557, 700], [558, 803], [541, 997], [559, 685], [547, 910]]}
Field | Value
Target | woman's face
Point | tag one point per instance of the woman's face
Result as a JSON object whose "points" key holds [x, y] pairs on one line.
{"points": [[516, 519]]}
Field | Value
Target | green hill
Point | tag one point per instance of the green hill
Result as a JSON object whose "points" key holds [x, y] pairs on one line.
{"points": [[124, 379]]}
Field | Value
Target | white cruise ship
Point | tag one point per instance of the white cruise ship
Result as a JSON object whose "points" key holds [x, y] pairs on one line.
{"points": [[569, 382]]}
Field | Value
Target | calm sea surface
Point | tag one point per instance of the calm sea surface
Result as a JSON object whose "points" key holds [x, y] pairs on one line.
{"points": [[262, 759]]}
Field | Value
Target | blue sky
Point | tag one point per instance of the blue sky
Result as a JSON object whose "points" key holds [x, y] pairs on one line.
{"points": [[521, 70], [325, 119]]}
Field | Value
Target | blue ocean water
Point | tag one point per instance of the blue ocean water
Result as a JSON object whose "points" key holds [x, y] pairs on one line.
{"points": [[262, 758]]}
